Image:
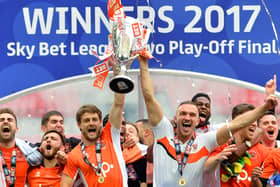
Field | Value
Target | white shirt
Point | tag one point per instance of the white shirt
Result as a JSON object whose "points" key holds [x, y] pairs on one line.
{"points": [[165, 164]]}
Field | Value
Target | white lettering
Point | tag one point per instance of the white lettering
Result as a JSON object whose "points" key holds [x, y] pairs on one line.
{"points": [[148, 19], [168, 20], [76, 17], [213, 47], [160, 49], [53, 50], [61, 26], [173, 45], [31, 27], [17, 49], [247, 46], [198, 49], [99, 15], [84, 49]]}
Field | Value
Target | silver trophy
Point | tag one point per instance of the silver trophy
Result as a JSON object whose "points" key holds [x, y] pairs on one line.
{"points": [[123, 42]]}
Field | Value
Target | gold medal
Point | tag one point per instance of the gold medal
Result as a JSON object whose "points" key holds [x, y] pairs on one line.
{"points": [[101, 179], [182, 181]]}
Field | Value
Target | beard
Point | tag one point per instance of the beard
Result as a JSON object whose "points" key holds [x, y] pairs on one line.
{"points": [[49, 156], [92, 138], [7, 139]]}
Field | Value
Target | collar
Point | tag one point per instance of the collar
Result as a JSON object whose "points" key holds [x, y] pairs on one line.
{"points": [[181, 143], [42, 164]]}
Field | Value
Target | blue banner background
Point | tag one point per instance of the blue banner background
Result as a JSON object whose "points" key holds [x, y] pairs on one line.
{"points": [[223, 42]]}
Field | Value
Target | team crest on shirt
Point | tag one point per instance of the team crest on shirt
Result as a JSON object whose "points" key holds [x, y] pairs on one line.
{"points": [[37, 174], [253, 154], [19, 154], [194, 146]]}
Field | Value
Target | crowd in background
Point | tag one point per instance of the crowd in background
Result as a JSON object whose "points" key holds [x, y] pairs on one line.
{"points": [[185, 151]]}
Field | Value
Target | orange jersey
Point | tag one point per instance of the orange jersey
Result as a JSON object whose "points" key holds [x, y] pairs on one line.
{"points": [[21, 165], [258, 154], [134, 153], [44, 177], [271, 164], [111, 170]]}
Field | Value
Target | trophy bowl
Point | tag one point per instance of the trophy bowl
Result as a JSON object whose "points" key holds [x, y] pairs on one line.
{"points": [[124, 47]]}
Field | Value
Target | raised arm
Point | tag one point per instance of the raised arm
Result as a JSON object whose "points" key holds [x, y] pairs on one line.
{"points": [[270, 86], [154, 110], [115, 115], [245, 119]]}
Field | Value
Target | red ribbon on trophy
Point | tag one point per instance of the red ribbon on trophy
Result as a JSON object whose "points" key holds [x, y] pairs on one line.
{"points": [[128, 39]]}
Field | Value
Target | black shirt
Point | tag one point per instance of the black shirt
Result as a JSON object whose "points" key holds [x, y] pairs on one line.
{"points": [[140, 167]]}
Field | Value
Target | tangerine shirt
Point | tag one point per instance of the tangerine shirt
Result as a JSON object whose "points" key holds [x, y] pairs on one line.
{"points": [[21, 165], [44, 177], [113, 166], [258, 154], [271, 164]]}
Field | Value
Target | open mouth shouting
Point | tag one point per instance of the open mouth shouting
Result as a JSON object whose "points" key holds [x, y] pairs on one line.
{"points": [[5, 130], [48, 147], [271, 133], [49, 151], [91, 130], [203, 115], [185, 129], [187, 125]]}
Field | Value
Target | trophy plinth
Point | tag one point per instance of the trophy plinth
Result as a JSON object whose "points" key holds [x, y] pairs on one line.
{"points": [[121, 84]]}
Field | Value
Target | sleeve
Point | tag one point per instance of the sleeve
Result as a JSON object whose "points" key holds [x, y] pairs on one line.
{"points": [[37, 144], [32, 154], [112, 133], [115, 134], [70, 169], [271, 164], [209, 139], [134, 153], [163, 129]]}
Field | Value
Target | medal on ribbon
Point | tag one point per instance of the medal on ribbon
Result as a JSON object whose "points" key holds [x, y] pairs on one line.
{"points": [[98, 168], [101, 179], [182, 182], [182, 162]]}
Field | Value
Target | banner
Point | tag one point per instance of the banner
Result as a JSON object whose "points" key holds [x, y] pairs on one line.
{"points": [[44, 41]]}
